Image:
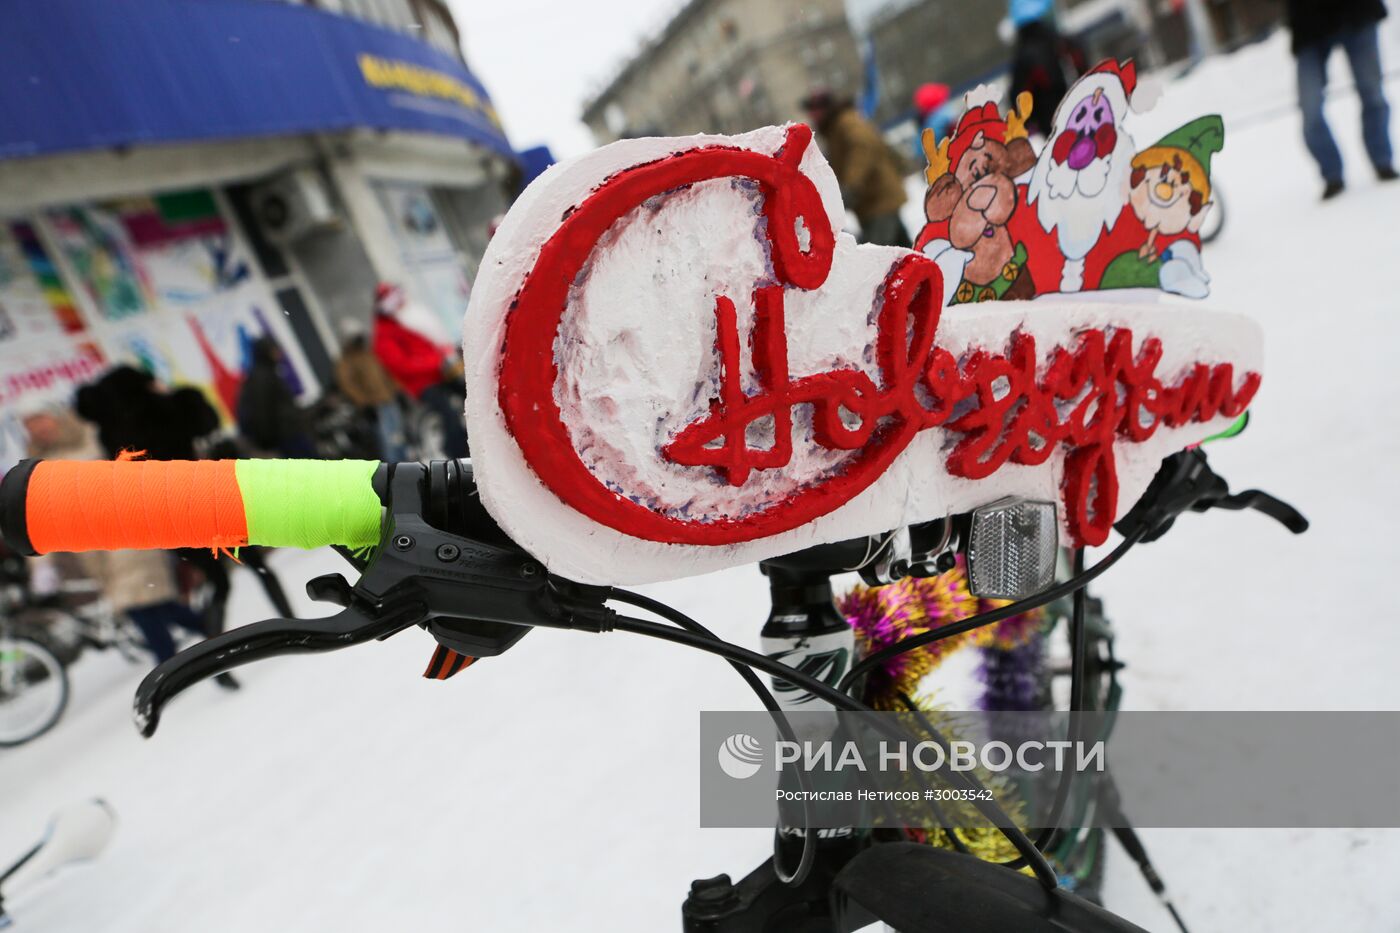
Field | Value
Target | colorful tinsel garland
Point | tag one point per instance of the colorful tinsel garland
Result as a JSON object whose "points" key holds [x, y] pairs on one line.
{"points": [[882, 616], [1012, 669]]}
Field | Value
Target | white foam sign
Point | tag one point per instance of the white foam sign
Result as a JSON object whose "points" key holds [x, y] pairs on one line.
{"points": [[676, 362]]}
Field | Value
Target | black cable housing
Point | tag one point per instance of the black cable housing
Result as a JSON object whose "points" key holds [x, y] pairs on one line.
{"points": [[1075, 583], [808, 857], [1044, 873]]}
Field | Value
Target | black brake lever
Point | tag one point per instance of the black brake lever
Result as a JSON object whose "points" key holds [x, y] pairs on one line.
{"points": [[476, 595], [262, 640], [1185, 482], [1260, 501]]}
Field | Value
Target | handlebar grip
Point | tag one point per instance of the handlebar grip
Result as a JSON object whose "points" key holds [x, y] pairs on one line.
{"points": [[58, 505]]}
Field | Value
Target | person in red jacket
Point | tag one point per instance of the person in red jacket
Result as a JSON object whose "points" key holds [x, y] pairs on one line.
{"points": [[417, 364]]}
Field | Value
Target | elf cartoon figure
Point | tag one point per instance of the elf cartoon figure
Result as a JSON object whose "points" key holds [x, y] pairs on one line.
{"points": [[971, 198], [1170, 197]]}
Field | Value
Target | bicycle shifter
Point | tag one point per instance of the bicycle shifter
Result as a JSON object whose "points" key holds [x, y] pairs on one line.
{"points": [[1186, 482], [458, 576]]}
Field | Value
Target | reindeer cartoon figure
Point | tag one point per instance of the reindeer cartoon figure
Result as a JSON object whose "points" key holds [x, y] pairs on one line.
{"points": [[971, 197]]}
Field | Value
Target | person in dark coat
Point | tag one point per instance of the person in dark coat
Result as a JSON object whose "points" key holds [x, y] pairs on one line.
{"points": [[268, 414], [1318, 27], [1043, 62], [132, 413]]}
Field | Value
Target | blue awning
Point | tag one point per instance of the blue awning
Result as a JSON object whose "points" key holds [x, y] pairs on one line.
{"points": [[86, 74]]}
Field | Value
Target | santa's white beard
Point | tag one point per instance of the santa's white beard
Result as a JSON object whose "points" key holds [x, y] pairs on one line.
{"points": [[1062, 181], [1079, 206]]}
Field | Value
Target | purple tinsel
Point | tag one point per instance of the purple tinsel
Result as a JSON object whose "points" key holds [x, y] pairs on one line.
{"points": [[1014, 677]]}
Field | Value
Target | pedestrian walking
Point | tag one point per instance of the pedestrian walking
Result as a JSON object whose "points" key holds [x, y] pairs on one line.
{"points": [[268, 414], [1318, 28]]}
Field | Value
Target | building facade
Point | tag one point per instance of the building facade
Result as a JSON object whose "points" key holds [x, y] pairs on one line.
{"points": [[725, 66], [178, 179]]}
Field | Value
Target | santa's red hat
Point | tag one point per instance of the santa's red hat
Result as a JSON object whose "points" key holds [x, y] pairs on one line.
{"points": [[1126, 73]]}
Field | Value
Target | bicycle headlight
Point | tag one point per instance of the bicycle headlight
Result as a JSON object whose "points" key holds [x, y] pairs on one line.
{"points": [[1011, 548]]}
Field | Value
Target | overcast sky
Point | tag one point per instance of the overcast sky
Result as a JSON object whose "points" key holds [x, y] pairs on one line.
{"points": [[541, 59]]}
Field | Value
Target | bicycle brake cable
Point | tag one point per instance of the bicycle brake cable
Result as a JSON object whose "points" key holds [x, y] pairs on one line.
{"points": [[808, 856], [1044, 873], [1077, 582]]}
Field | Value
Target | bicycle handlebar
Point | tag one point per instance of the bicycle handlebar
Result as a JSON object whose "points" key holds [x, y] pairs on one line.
{"points": [[54, 505]]}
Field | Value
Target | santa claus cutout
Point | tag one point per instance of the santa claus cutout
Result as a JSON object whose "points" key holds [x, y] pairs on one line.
{"points": [[1080, 182]]}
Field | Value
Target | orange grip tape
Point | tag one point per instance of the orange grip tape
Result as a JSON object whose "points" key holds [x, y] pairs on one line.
{"points": [[115, 505]]}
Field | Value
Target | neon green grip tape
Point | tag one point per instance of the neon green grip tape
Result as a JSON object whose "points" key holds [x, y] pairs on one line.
{"points": [[309, 503]]}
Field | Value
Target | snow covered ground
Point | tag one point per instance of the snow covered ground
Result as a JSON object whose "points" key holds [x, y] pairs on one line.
{"points": [[555, 788]]}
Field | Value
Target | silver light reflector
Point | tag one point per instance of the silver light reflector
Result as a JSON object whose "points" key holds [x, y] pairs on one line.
{"points": [[1011, 549]]}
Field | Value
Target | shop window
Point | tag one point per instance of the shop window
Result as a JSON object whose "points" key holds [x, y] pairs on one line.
{"points": [[436, 274]]}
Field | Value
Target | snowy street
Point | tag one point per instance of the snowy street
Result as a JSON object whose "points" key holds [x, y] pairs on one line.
{"points": [[555, 788]]}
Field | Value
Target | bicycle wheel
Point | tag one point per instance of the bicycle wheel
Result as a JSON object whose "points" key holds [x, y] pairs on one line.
{"points": [[57, 628], [33, 687]]}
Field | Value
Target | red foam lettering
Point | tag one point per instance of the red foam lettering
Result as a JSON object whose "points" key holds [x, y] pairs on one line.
{"points": [[1085, 399]]}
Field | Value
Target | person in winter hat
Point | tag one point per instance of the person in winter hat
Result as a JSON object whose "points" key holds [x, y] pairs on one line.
{"points": [[363, 380], [417, 364], [1318, 27], [132, 412], [937, 112]]}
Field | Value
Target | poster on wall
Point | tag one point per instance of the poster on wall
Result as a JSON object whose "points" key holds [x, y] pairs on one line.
{"points": [[45, 353], [183, 247], [33, 301], [104, 260], [176, 291], [436, 276], [36, 372]]}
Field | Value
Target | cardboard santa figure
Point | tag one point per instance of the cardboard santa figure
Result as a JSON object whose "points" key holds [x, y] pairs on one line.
{"points": [[1080, 181]]}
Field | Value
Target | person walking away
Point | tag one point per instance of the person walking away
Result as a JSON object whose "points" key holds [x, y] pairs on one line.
{"points": [[268, 414], [1318, 27], [417, 364], [363, 380], [1043, 62], [140, 584], [871, 178]]}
